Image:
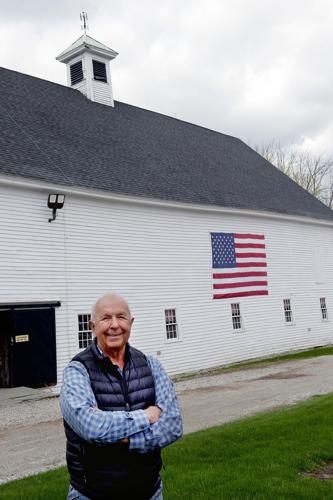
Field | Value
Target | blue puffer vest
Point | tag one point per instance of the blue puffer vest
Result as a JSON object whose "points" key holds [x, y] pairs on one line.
{"points": [[112, 471]]}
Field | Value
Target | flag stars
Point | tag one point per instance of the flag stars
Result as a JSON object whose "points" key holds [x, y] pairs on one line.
{"points": [[251, 280], [223, 250]]}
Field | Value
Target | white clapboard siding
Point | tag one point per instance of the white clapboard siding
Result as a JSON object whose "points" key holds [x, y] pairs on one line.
{"points": [[160, 258], [32, 256], [102, 93], [95, 90], [82, 87]]}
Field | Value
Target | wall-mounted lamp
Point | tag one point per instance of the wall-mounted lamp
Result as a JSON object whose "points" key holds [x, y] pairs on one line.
{"points": [[55, 201]]}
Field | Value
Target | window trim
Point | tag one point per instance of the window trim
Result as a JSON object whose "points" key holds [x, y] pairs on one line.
{"points": [[86, 331], [324, 320], [236, 316], [93, 71], [172, 339], [290, 310]]}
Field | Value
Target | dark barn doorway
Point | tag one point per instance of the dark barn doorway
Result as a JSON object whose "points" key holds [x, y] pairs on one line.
{"points": [[28, 345]]}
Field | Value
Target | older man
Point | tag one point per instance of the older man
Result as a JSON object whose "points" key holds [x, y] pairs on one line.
{"points": [[119, 410]]}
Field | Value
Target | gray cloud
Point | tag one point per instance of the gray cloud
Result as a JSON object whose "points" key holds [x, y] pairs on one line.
{"points": [[257, 70]]}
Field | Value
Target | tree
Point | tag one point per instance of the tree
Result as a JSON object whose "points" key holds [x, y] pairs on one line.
{"points": [[328, 192], [314, 172]]}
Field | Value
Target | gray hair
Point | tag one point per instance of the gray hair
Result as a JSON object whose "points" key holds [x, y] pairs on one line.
{"points": [[111, 295]]}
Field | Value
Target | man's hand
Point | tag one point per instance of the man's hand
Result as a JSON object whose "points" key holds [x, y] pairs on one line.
{"points": [[153, 413]]}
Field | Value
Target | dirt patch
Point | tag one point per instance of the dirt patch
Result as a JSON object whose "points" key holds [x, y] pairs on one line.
{"points": [[323, 473], [212, 388], [282, 376]]}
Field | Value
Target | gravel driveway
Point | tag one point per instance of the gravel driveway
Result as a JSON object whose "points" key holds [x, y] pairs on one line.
{"points": [[205, 401]]}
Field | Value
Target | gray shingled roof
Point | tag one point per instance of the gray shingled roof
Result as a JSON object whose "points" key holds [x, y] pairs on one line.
{"points": [[53, 133]]}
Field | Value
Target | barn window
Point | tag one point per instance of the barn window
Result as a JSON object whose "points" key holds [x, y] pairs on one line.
{"points": [[323, 308], [99, 71], [236, 317], [171, 324], [85, 334], [288, 314], [76, 73]]}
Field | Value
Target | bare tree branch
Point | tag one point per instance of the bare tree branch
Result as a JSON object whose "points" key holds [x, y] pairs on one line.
{"points": [[313, 172]]}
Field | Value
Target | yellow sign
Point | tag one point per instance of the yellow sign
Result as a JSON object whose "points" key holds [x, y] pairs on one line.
{"points": [[22, 338]]}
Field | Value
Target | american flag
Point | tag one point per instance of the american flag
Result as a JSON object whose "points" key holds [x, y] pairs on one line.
{"points": [[241, 259]]}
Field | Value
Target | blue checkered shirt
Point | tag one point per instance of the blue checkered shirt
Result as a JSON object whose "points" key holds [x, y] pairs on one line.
{"points": [[79, 409]]}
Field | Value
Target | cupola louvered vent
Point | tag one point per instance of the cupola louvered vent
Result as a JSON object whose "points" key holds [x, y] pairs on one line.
{"points": [[88, 68], [99, 71], [76, 73]]}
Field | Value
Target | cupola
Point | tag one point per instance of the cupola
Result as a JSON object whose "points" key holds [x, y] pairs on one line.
{"points": [[88, 68]]}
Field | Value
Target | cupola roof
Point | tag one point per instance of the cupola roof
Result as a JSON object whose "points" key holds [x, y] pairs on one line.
{"points": [[86, 43]]}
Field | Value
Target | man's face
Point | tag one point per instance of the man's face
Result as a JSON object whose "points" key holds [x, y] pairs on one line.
{"points": [[112, 324]]}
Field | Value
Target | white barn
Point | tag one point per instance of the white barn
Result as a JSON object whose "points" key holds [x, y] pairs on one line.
{"points": [[143, 194]]}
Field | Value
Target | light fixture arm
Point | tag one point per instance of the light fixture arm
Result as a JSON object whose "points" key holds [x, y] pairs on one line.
{"points": [[54, 215]]}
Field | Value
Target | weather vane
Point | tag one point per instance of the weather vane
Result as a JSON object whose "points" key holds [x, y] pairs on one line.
{"points": [[84, 19]]}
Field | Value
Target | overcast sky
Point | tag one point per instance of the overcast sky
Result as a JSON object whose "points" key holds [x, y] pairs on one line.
{"points": [[255, 69]]}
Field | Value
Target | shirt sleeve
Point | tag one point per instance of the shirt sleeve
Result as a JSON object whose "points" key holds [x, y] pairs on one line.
{"points": [[80, 411], [169, 427]]}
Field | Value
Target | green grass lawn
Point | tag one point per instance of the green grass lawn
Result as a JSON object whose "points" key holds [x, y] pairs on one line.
{"points": [[255, 458], [259, 362]]}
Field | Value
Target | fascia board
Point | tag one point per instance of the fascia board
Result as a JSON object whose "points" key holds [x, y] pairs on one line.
{"points": [[86, 48], [103, 195]]}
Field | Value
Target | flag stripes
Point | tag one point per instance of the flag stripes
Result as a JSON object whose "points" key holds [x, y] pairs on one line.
{"points": [[249, 254], [232, 251], [237, 285], [247, 236], [239, 275], [249, 245], [251, 264], [239, 294]]}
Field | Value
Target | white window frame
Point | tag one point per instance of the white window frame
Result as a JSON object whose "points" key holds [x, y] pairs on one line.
{"points": [[85, 333], [172, 324], [106, 70], [288, 311], [236, 317], [323, 309]]}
